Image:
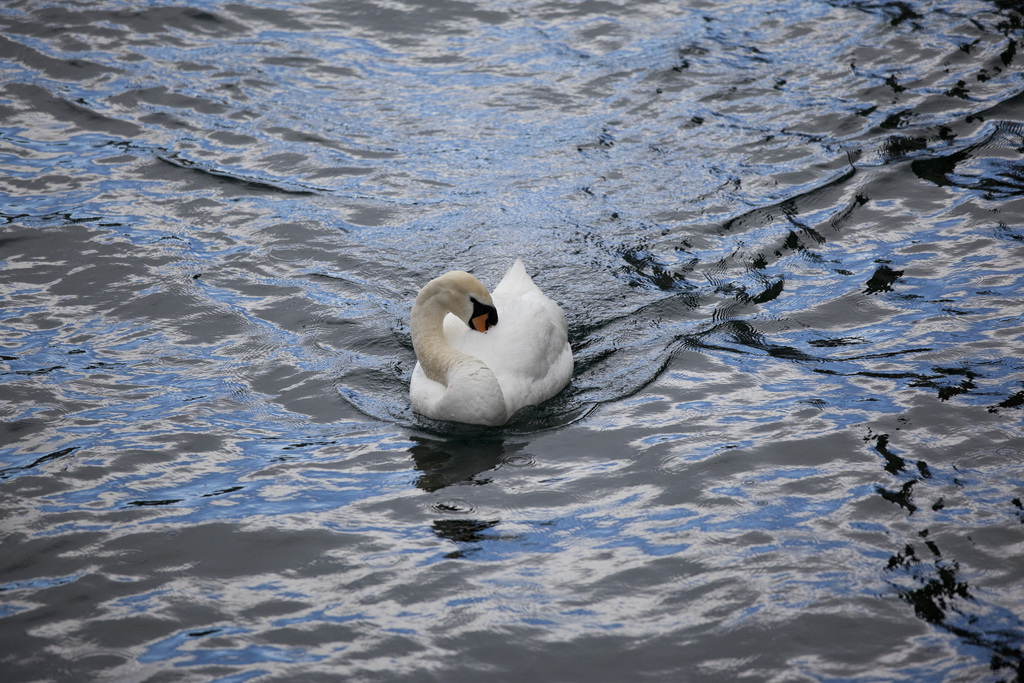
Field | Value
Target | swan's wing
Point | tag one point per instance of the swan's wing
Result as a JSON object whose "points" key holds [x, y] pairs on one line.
{"points": [[528, 349], [536, 362], [516, 281]]}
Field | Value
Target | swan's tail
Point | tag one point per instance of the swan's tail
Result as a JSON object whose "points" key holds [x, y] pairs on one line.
{"points": [[515, 280]]}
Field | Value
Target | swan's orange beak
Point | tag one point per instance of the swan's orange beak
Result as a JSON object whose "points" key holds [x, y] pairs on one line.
{"points": [[484, 317], [480, 322]]}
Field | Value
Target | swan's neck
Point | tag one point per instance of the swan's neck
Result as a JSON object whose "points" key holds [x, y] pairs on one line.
{"points": [[436, 356], [472, 390]]}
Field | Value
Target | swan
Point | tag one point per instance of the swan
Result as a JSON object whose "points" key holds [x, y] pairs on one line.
{"points": [[481, 357]]}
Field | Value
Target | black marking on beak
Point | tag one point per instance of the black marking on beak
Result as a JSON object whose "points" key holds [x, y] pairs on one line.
{"points": [[484, 316]]}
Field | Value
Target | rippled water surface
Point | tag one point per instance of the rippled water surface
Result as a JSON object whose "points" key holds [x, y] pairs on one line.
{"points": [[789, 241]]}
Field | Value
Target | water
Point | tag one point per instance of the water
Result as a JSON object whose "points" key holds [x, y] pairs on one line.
{"points": [[789, 240]]}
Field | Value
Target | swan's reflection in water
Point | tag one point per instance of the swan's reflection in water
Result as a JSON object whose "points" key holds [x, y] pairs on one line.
{"points": [[459, 461]]}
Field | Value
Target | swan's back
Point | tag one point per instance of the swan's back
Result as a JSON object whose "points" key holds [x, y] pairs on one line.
{"points": [[528, 350]]}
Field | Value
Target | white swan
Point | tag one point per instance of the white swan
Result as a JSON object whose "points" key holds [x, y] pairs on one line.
{"points": [[480, 358]]}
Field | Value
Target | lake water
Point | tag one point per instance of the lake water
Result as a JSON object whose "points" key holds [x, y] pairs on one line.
{"points": [[789, 241]]}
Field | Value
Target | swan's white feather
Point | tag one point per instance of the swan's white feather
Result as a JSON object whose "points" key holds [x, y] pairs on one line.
{"points": [[527, 351]]}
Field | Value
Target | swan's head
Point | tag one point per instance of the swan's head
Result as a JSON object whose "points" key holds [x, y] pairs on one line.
{"points": [[464, 296]]}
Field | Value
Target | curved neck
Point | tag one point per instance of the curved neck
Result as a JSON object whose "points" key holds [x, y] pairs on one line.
{"points": [[472, 392], [435, 354]]}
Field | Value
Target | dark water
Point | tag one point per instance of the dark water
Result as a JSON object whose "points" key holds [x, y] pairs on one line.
{"points": [[789, 240]]}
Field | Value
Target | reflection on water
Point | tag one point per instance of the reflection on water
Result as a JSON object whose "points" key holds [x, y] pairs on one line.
{"points": [[443, 463], [788, 242]]}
